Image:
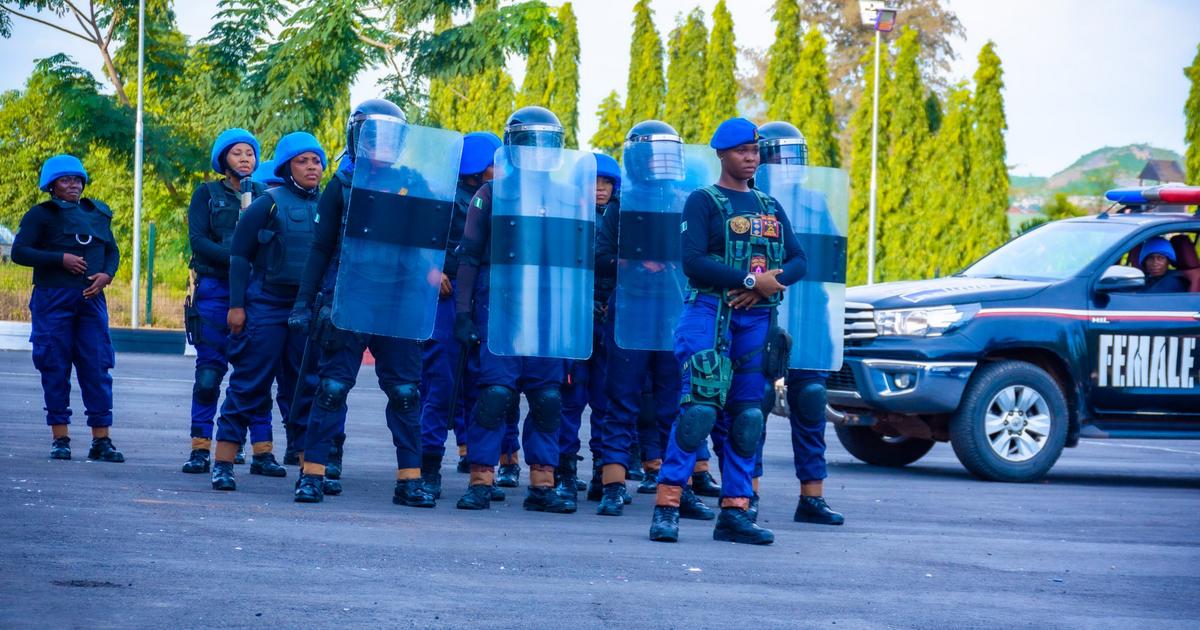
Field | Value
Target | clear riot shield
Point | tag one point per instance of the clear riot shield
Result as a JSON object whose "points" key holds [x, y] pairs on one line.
{"points": [[817, 201], [650, 281], [395, 229], [542, 253]]}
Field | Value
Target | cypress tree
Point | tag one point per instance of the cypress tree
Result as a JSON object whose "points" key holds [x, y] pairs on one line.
{"points": [[442, 98], [564, 84], [860, 166], [535, 88], [490, 95], [988, 190], [685, 77], [1191, 110], [720, 83], [901, 216], [811, 105], [782, 60], [611, 132], [945, 179], [646, 87]]}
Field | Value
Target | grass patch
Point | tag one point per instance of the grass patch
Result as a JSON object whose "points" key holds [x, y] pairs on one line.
{"points": [[16, 286]]}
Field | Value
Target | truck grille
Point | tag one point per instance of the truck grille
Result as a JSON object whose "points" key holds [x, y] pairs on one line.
{"points": [[842, 380], [860, 323]]}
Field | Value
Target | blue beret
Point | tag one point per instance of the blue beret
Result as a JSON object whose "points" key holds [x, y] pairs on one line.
{"points": [[608, 167], [60, 166], [294, 144], [265, 173], [227, 139], [478, 152], [1156, 245], [732, 133]]}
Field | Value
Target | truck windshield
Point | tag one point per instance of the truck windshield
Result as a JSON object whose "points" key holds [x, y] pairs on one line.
{"points": [[1055, 251]]}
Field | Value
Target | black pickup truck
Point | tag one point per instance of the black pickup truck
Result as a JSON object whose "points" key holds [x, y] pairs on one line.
{"points": [[1048, 339]]}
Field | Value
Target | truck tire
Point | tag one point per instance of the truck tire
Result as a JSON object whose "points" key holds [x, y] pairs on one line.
{"points": [[878, 449], [1011, 424]]}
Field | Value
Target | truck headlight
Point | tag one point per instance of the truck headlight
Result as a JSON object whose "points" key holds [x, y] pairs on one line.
{"points": [[923, 322]]}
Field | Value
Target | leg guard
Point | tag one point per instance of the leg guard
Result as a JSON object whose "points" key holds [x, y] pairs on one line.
{"points": [[331, 394], [694, 425], [403, 397], [746, 430], [207, 388], [546, 407], [807, 403], [491, 409]]}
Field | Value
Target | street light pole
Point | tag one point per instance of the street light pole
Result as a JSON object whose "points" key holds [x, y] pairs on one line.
{"points": [[137, 168], [874, 169]]}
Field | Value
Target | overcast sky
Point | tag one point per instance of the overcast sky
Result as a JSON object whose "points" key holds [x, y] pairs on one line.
{"points": [[1079, 74]]}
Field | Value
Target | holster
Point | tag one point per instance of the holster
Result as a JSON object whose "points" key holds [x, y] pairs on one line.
{"points": [[776, 353], [191, 321]]}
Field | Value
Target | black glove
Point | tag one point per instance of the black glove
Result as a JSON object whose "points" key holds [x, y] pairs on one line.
{"points": [[464, 330], [300, 319]]}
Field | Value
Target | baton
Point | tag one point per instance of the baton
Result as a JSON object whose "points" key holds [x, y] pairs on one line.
{"points": [[456, 389], [306, 360]]}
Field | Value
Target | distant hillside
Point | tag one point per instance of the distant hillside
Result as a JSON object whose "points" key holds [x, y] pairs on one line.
{"points": [[1104, 168]]}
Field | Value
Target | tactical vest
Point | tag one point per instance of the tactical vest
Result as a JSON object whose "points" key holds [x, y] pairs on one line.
{"points": [[753, 243], [223, 214], [83, 230], [283, 245]]}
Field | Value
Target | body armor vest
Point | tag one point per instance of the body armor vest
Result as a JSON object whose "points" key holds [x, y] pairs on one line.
{"points": [[753, 242], [286, 240], [224, 211], [83, 230]]}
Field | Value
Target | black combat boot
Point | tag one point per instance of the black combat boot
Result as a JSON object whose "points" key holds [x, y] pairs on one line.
{"points": [[734, 525], [564, 477], [103, 451], [547, 500], [508, 475], [412, 492], [816, 510], [61, 448], [463, 467], [332, 487], [649, 484], [595, 489], [333, 469], [199, 461], [431, 474], [290, 456], [478, 497], [704, 484], [612, 503], [496, 493], [691, 507], [752, 511], [664, 526], [309, 489], [222, 476], [633, 470], [265, 464], [240, 458]]}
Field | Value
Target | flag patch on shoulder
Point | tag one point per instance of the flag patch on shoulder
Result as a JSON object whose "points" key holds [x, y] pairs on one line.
{"points": [[683, 226]]}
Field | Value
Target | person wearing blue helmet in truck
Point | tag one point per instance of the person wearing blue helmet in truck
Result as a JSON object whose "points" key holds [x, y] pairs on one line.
{"points": [[1154, 259]]}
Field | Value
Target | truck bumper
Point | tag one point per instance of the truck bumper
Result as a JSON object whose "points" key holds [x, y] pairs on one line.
{"points": [[896, 386]]}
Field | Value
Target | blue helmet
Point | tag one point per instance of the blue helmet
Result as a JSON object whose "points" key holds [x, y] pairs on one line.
{"points": [[1156, 245], [60, 166], [225, 140], [653, 152], [371, 109], [265, 174], [294, 144], [608, 167], [781, 142], [478, 152]]}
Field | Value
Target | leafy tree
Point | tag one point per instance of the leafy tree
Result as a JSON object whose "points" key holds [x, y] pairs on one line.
{"points": [[811, 106], [1191, 110], [685, 77], [944, 180], [720, 82], [645, 88], [860, 166], [988, 190], [900, 213], [783, 59], [564, 86], [611, 133], [535, 88]]}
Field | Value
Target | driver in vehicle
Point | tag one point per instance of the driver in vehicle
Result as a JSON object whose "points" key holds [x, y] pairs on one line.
{"points": [[1154, 259]]}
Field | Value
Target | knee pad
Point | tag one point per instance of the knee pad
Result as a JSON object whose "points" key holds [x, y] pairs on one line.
{"points": [[331, 394], [807, 403], [746, 430], [493, 405], [403, 397], [711, 375], [546, 407], [207, 388], [694, 425]]}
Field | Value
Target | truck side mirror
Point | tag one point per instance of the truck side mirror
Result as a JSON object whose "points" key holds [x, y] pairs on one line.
{"points": [[1121, 278]]}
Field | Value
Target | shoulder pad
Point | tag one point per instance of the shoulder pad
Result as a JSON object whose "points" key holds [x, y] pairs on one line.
{"points": [[98, 206]]}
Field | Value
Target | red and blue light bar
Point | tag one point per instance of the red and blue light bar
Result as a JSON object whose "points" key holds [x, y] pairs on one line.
{"points": [[1148, 195]]}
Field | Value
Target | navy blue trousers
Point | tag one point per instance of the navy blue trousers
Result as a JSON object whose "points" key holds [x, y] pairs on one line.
{"points": [[70, 331], [630, 373], [585, 387], [808, 426], [439, 364]]}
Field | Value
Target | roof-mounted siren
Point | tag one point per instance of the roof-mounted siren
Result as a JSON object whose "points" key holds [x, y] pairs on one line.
{"points": [[1166, 198]]}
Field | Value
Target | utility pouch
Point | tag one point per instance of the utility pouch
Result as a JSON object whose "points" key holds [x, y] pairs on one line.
{"points": [[775, 355], [711, 377]]}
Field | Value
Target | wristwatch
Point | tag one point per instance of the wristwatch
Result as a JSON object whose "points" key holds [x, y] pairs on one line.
{"points": [[749, 281]]}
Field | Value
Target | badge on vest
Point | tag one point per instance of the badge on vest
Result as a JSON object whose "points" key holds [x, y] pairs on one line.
{"points": [[765, 226], [758, 264], [739, 225]]}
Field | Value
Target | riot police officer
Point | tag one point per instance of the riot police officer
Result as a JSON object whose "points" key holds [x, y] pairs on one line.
{"points": [[68, 241], [738, 253], [518, 266], [267, 256], [212, 217], [448, 367]]}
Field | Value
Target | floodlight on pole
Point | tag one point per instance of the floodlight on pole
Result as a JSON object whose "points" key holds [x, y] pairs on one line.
{"points": [[883, 18], [137, 168]]}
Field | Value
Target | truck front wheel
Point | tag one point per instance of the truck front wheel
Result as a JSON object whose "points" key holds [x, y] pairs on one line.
{"points": [[880, 450], [1011, 424]]}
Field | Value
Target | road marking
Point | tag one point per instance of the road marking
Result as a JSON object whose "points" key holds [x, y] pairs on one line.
{"points": [[115, 378], [1149, 448]]}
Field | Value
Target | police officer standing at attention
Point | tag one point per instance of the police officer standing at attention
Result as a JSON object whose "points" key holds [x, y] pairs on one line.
{"points": [[68, 241], [212, 216], [441, 381], [739, 253], [270, 246]]}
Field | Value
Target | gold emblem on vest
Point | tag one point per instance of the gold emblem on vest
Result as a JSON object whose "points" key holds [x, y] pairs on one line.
{"points": [[739, 225]]}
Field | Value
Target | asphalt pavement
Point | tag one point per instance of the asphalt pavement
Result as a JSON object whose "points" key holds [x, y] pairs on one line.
{"points": [[1110, 539]]}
